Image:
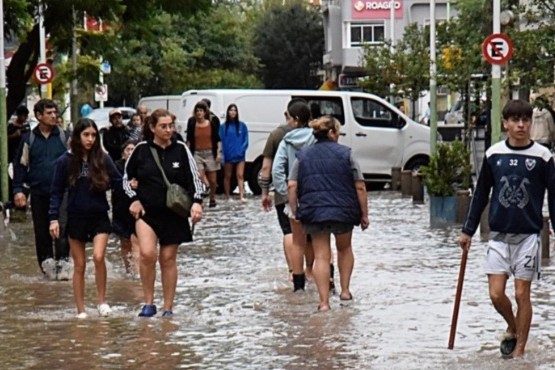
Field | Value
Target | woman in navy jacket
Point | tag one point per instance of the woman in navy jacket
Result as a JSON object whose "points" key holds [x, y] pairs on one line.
{"points": [[86, 172], [328, 195]]}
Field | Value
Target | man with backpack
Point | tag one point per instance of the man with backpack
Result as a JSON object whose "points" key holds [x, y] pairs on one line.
{"points": [[34, 165]]}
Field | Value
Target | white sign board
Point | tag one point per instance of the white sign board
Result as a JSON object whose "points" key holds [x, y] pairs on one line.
{"points": [[101, 93]]}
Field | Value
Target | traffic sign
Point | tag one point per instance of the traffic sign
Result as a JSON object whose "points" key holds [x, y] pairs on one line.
{"points": [[497, 48], [43, 73], [101, 92], [105, 67]]}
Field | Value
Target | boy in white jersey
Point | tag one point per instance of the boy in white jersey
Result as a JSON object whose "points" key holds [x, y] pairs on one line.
{"points": [[517, 171]]}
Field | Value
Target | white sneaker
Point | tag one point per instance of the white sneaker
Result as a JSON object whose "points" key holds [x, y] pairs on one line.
{"points": [[65, 270], [49, 268], [104, 309], [82, 315]]}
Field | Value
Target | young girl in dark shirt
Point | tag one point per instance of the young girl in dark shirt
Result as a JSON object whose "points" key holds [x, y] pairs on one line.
{"points": [[87, 173]]}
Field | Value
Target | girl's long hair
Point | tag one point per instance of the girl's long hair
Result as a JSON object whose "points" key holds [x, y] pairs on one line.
{"points": [[96, 158], [229, 120]]}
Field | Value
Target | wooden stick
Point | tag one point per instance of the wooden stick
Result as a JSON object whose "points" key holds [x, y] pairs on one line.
{"points": [[457, 300]]}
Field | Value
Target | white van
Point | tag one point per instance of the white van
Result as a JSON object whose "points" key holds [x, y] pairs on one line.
{"points": [[169, 102], [380, 135]]}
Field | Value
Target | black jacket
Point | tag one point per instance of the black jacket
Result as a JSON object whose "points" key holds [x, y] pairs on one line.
{"points": [[179, 166], [113, 138]]}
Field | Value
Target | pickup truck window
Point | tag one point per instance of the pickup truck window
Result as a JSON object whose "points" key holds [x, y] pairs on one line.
{"points": [[325, 105], [371, 113]]}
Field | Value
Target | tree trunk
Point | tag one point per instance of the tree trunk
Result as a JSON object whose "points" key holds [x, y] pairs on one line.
{"points": [[21, 69]]}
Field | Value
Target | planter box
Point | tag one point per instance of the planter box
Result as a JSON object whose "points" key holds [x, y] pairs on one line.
{"points": [[443, 211]]}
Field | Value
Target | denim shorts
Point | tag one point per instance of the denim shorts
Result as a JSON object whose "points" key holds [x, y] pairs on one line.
{"points": [[328, 228]]}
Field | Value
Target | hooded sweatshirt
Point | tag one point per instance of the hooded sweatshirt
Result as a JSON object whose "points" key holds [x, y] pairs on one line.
{"points": [[286, 154], [543, 129]]}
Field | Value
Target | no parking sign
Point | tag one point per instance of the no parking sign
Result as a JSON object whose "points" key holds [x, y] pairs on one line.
{"points": [[497, 48], [43, 73], [101, 92]]}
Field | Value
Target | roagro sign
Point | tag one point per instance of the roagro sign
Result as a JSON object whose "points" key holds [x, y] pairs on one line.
{"points": [[375, 9]]}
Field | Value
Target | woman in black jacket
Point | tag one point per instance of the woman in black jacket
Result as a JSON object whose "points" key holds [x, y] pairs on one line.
{"points": [[154, 221], [203, 140]]}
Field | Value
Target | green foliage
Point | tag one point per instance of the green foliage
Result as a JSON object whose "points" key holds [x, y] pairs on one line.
{"points": [[408, 67], [289, 41], [448, 169]]}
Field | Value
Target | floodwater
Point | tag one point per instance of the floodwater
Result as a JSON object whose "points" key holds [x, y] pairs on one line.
{"points": [[234, 308]]}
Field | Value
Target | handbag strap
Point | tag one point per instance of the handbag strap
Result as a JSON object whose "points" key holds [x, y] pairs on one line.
{"points": [[157, 160]]}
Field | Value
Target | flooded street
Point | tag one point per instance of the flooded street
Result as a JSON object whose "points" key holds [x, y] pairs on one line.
{"points": [[234, 308]]}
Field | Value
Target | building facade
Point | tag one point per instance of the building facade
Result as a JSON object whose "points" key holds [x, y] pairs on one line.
{"points": [[351, 24]]}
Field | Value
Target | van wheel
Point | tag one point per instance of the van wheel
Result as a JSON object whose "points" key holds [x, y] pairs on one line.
{"points": [[415, 163], [252, 179]]}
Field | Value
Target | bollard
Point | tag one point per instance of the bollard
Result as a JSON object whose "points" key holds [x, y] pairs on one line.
{"points": [[406, 179], [463, 202], [396, 178], [484, 225], [417, 188], [545, 238]]}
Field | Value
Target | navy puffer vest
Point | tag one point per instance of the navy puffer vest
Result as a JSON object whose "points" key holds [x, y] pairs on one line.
{"points": [[326, 188]]}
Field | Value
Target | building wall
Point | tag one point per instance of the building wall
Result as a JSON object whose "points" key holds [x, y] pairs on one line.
{"points": [[347, 21]]}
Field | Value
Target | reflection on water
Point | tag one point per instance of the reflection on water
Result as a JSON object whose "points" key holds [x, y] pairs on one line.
{"points": [[235, 310]]}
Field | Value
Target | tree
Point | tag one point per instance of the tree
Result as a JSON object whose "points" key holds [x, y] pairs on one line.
{"points": [[408, 67], [20, 15], [289, 41]]}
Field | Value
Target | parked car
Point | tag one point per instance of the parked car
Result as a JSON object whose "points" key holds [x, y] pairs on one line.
{"points": [[100, 116]]}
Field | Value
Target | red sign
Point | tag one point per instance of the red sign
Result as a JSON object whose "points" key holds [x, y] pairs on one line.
{"points": [[43, 73], [497, 48], [375, 9]]}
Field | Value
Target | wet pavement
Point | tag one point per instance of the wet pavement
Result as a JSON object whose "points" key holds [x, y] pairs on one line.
{"points": [[234, 308]]}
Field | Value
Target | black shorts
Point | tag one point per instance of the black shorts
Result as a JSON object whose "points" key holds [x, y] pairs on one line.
{"points": [[86, 228], [283, 219], [123, 224], [168, 227]]}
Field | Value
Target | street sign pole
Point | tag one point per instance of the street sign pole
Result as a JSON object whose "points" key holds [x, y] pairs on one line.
{"points": [[433, 82], [496, 82], [42, 48], [3, 115]]}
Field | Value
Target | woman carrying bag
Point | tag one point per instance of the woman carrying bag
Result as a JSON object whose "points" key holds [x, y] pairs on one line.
{"points": [[155, 222]]}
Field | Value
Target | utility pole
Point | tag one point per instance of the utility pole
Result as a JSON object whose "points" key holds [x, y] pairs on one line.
{"points": [[74, 92], [433, 82], [496, 82], [3, 114], [392, 47]]}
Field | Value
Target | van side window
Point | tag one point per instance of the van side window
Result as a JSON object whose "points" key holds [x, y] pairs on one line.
{"points": [[372, 113], [325, 105]]}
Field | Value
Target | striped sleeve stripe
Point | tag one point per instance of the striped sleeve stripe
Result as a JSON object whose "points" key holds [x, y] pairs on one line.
{"points": [[199, 186]]}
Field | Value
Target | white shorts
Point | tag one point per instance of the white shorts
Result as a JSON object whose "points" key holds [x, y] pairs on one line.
{"points": [[522, 260]]}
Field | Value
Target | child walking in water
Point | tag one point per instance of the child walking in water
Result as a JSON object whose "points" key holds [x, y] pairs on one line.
{"points": [[87, 173]]}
